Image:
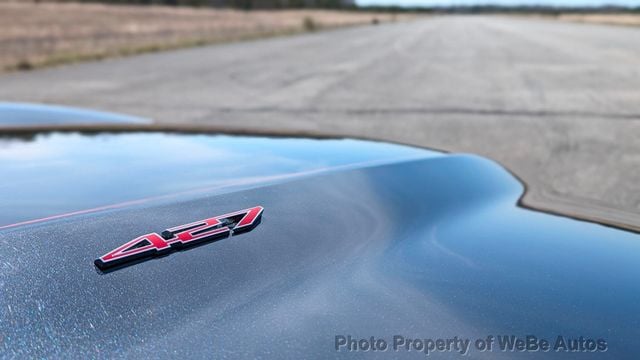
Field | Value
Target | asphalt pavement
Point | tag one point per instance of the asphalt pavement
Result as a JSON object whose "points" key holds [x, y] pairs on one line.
{"points": [[557, 103]]}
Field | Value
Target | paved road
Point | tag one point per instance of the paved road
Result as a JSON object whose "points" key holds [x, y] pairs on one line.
{"points": [[557, 103]]}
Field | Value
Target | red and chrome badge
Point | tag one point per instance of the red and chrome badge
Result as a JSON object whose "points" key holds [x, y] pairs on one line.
{"points": [[180, 237]]}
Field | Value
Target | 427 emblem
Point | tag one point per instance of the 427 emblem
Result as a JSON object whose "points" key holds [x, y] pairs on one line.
{"points": [[180, 237]]}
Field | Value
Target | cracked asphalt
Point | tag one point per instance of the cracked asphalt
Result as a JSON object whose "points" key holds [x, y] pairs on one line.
{"points": [[557, 103]]}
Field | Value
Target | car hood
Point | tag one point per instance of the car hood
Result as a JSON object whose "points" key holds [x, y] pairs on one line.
{"points": [[356, 238]]}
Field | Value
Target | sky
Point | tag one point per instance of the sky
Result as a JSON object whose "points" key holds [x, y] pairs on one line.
{"points": [[500, 2]]}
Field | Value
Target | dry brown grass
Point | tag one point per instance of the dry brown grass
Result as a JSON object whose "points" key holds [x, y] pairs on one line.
{"points": [[33, 35], [613, 19]]}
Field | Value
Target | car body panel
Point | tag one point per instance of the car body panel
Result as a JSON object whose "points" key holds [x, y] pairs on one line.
{"points": [[422, 246], [51, 174]]}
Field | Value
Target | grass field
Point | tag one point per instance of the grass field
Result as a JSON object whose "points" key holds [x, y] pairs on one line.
{"points": [[40, 34], [612, 19]]}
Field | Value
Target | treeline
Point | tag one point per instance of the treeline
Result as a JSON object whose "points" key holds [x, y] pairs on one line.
{"points": [[351, 5], [240, 4]]}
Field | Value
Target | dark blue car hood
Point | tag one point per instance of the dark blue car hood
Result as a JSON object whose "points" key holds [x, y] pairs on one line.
{"points": [[357, 239]]}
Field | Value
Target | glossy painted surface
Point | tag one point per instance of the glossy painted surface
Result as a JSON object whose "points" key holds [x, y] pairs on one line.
{"points": [[425, 248], [59, 173], [24, 114]]}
